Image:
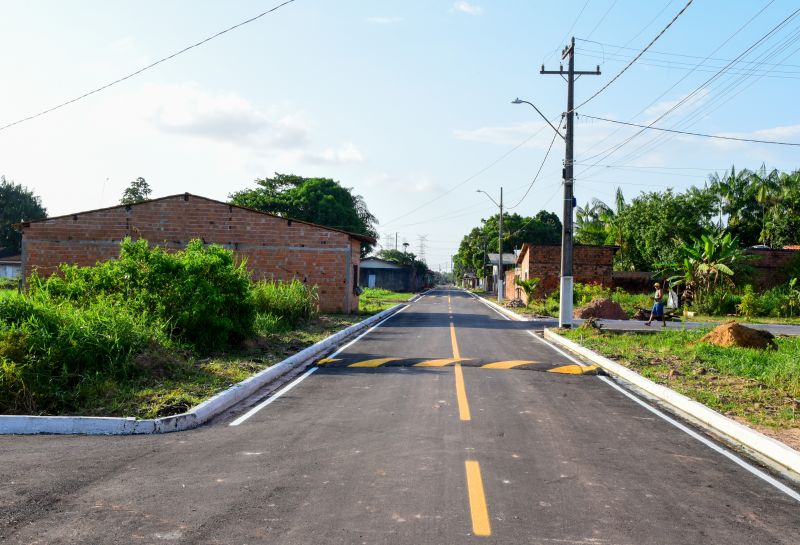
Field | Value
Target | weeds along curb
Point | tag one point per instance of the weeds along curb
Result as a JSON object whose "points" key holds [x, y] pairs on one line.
{"points": [[766, 449], [98, 425]]}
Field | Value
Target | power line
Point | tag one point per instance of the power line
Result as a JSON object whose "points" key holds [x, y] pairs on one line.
{"points": [[546, 155], [775, 142], [148, 67], [642, 52], [564, 39], [468, 179], [610, 151], [603, 18]]}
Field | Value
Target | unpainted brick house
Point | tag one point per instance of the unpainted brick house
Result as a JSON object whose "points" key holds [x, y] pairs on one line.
{"points": [[275, 247], [590, 265]]}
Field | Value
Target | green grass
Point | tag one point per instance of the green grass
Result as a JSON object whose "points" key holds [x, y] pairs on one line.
{"points": [[6, 293], [759, 386], [177, 381], [375, 300]]}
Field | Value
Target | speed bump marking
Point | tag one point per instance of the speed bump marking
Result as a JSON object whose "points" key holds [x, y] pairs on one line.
{"points": [[328, 360], [438, 363], [573, 369], [509, 364], [373, 363]]}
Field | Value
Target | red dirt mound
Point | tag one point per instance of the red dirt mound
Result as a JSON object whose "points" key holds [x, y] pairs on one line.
{"points": [[734, 334], [601, 308]]}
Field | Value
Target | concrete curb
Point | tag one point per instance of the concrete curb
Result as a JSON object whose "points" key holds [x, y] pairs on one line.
{"points": [[97, 425], [510, 313], [769, 450]]}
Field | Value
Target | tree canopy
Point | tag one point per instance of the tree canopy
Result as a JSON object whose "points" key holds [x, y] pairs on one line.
{"points": [[317, 200], [138, 191], [17, 203], [754, 206], [543, 228]]}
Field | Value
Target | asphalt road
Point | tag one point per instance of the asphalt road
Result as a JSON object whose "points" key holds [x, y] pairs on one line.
{"points": [[446, 424]]}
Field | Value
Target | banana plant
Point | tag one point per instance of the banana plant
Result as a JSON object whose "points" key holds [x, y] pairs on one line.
{"points": [[528, 286]]}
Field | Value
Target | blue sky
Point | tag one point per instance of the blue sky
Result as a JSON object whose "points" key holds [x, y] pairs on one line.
{"points": [[402, 101]]}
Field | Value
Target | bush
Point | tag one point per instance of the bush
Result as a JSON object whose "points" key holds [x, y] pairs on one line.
{"points": [[718, 302], [48, 352], [291, 302], [199, 295]]}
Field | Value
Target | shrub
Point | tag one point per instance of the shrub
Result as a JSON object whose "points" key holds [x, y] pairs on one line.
{"points": [[750, 305], [47, 351], [199, 295], [719, 301], [292, 301]]}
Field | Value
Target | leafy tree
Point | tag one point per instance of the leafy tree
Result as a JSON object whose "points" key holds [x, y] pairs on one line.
{"points": [[317, 200], [407, 259], [543, 228], [651, 223], [17, 203], [138, 191], [598, 223]]}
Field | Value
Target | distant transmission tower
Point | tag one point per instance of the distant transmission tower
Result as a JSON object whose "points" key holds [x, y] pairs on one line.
{"points": [[422, 239]]}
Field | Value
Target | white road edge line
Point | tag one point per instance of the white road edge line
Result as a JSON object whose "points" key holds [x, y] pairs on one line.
{"points": [[729, 455], [272, 398], [755, 471], [302, 377]]}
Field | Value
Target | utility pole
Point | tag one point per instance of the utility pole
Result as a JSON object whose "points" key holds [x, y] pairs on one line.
{"points": [[395, 241], [501, 274], [565, 310]]}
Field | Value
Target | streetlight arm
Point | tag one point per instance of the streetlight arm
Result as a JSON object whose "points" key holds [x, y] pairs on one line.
{"points": [[518, 101], [490, 197]]}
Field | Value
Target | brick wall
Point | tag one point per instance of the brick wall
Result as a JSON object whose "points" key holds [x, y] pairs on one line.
{"points": [[590, 264], [770, 266], [275, 248]]}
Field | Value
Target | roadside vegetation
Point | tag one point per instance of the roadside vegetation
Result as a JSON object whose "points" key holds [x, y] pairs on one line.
{"points": [[149, 334], [375, 300], [761, 387]]}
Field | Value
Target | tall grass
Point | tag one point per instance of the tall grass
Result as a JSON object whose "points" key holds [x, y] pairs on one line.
{"points": [[287, 303]]}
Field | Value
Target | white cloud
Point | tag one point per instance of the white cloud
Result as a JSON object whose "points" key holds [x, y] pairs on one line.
{"points": [[466, 7], [223, 117], [416, 183], [346, 154], [383, 20]]}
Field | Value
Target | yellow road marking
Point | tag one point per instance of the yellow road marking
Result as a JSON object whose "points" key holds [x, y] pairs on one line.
{"points": [[509, 364], [328, 360], [461, 395], [573, 369], [372, 363], [437, 363], [448, 299], [454, 342], [477, 500]]}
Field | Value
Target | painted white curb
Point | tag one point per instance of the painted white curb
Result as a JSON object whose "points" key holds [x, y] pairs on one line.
{"points": [[764, 447], [98, 425]]}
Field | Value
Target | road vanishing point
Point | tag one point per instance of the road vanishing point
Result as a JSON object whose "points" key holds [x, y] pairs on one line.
{"points": [[445, 424]]}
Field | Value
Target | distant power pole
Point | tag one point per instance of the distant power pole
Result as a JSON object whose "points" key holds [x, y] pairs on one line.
{"points": [[395, 241], [565, 311], [422, 239]]}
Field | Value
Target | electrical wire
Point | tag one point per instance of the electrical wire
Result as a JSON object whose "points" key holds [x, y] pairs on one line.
{"points": [[608, 152], [566, 34], [546, 155], [642, 52], [651, 127], [148, 67], [603, 18]]}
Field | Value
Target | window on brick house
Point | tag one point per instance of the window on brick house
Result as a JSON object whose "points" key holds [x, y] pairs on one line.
{"points": [[355, 280]]}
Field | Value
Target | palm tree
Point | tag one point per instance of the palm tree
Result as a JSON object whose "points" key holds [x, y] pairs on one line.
{"points": [[766, 186]]}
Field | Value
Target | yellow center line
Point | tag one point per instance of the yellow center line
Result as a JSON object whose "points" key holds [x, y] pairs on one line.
{"points": [[477, 500], [461, 395], [454, 342]]}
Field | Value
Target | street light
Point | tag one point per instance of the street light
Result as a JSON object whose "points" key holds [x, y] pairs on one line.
{"points": [[500, 272], [566, 290]]}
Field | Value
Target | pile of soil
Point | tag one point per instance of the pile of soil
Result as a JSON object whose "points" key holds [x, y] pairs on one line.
{"points": [[601, 308], [734, 334]]}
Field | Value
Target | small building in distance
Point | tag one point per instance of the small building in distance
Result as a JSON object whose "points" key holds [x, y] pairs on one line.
{"points": [[590, 265], [276, 248], [509, 263], [10, 266], [379, 273]]}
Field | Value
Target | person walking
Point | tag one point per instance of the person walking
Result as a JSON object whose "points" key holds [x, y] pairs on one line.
{"points": [[658, 307]]}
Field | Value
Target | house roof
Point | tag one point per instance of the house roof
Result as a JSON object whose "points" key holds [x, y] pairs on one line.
{"points": [[11, 260], [357, 236], [377, 263]]}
